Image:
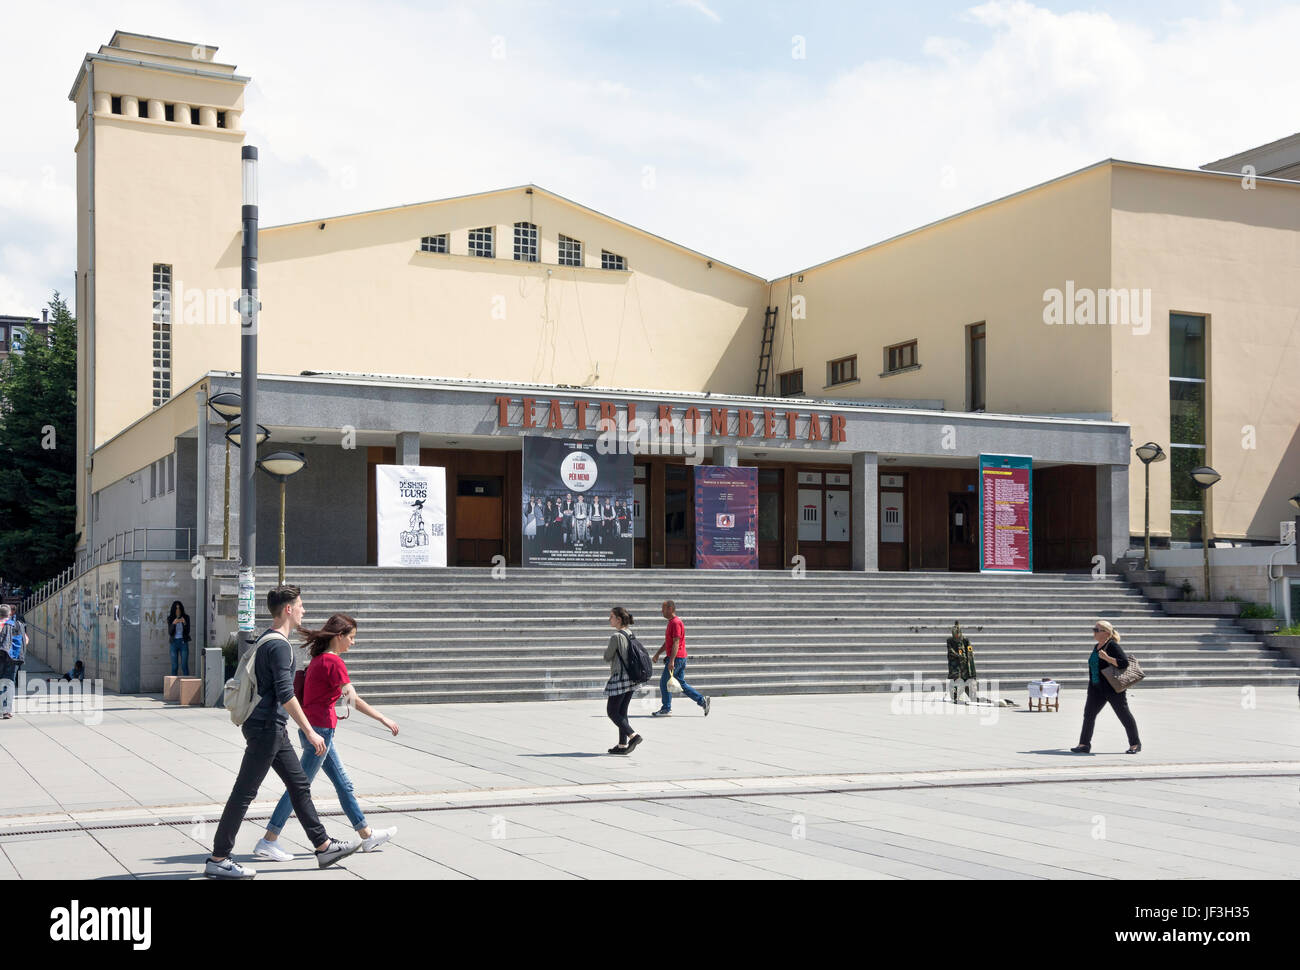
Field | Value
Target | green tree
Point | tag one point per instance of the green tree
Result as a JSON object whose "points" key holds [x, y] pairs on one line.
{"points": [[38, 445]]}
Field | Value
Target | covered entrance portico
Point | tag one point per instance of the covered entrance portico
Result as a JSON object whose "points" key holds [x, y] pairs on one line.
{"points": [[842, 486]]}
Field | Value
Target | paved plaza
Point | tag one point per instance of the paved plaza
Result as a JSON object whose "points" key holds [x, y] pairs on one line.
{"points": [[826, 786]]}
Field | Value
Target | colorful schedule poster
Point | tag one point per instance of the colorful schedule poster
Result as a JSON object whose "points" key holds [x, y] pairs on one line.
{"points": [[726, 517], [1006, 514]]}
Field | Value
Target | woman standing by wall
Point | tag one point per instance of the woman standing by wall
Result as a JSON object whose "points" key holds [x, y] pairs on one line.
{"points": [[178, 637]]}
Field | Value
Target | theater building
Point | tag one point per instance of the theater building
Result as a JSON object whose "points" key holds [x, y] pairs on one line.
{"points": [[1064, 323]]}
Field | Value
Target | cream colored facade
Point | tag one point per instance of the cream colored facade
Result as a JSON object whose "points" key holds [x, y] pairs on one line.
{"points": [[355, 293], [1200, 243]]}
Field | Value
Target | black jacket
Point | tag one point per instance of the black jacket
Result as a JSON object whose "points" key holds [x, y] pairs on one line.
{"points": [[1121, 662], [185, 630]]}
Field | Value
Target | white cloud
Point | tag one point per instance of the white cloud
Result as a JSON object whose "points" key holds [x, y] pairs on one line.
{"points": [[701, 7], [768, 169]]}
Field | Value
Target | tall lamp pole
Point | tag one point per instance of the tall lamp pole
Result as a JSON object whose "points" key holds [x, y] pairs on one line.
{"points": [[281, 465], [248, 392], [1205, 477], [227, 406], [1148, 453]]}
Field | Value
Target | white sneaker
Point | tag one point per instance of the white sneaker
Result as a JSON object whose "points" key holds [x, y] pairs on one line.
{"points": [[227, 869], [377, 838], [271, 851]]}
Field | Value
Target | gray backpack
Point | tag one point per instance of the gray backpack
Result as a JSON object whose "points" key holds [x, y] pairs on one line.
{"points": [[240, 693]]}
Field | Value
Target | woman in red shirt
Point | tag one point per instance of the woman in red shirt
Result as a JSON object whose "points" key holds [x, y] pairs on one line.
{"points": [[325, 682]]}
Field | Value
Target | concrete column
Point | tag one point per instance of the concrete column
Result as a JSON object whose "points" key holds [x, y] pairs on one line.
{"points": [[130, 106], [156, 112], [726, 455], [1112, 512], [408, 448], [207, 116], [181, 112], [866, 511]]}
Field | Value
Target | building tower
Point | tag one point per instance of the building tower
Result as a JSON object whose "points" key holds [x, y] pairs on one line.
{"points": [[158, 204]]}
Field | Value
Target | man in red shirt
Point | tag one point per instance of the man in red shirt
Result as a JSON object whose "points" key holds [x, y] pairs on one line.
{"points": [[674, 651]]}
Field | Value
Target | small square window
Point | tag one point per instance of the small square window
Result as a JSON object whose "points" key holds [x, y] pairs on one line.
{"points": [[792, 383], [525, 242], [570, 252], [842, 371], [434, 244], [610, 260], [480, 242]]}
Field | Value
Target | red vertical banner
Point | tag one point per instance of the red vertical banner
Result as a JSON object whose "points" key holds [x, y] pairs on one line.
{"points": [[1006, 513]]}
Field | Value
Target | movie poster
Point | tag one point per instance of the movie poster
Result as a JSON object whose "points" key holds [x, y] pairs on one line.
{"points": [[578, 505], [1006, 513], [726, 517], [411, 509]]}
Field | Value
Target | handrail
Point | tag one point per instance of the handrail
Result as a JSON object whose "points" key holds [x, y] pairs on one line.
{"points": [[113, 549]]}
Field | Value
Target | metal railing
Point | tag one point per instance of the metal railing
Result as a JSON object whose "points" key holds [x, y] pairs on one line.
{"points": [[132, 545]]}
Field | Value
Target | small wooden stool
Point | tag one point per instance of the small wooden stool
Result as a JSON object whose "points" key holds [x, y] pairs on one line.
{"points": [[1047, 693]]}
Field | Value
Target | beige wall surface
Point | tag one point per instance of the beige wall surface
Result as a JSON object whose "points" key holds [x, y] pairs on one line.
{"points": [[1207, 245], [991, 265], [359, 295]]}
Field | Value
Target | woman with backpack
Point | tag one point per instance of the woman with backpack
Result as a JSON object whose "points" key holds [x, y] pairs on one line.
{"points": [[178, 635], [622, 683], [324, 682]]}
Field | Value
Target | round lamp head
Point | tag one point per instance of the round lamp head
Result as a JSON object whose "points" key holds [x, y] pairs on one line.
{"points": [[1150, 452], [1295, 501], [227, 404], [282, 464], [234, 434], [1205, 476]]}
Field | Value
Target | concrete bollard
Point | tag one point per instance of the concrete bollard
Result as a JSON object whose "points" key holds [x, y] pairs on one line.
{"points": [[214, 676]]}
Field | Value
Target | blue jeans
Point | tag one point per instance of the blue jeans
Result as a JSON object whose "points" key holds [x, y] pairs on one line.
{"points": [[181, 654], [312, 763], [679, 671]]}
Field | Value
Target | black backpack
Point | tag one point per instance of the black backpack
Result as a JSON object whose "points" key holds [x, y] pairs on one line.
{"points": [[637, 666]]}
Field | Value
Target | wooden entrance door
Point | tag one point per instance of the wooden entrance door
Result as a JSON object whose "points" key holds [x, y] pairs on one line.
{"points": [[963, 539], [478, 519]]}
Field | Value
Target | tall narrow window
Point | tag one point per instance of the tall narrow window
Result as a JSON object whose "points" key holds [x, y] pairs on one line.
{"points": [[1187, 440], [525, 242], [570, 252], [480, 242], [975, 365], [162, 334]]}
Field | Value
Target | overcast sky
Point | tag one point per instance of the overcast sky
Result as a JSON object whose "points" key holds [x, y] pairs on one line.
{"points": [[768, 134]]}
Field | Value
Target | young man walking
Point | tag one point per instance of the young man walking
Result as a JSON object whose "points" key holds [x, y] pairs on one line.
{"points": [[674, 651], [268, 746], [13, 648]]}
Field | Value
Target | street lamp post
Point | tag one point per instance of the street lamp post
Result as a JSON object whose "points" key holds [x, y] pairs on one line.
{"points": [[281, 465], [234, 437], [248, 307], [227, 406], [1205, 477], [1148, 453]]}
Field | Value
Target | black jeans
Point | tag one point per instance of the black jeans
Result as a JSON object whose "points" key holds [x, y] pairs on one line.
{"points": [[616, 707], [268, 748], [1099, 695]]}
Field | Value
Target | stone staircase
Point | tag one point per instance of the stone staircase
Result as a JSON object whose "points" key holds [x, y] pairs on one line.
{"points": [[455, 635]]}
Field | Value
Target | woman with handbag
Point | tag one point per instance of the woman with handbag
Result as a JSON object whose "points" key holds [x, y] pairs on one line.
{"points": [[1106, 652], [620, 687]]}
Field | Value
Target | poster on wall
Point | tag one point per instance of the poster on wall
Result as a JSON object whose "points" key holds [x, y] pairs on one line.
{"points": [[810, 515], [726, 517], [578, 505], [891, 516], [411, 509], [1006, 513]]}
